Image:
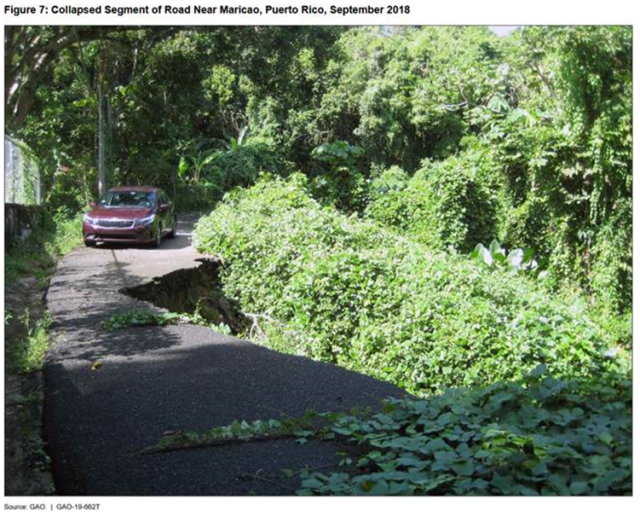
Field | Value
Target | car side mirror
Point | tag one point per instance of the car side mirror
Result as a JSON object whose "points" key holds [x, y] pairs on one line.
{"points": [[164, 206], [92, 204]]}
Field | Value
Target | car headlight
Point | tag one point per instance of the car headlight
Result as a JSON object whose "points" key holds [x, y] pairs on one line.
{"points": [[144, 221], [88, 220]]}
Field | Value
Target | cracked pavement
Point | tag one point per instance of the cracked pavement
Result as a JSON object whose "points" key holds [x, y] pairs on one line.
{"points": [[182, 377]]}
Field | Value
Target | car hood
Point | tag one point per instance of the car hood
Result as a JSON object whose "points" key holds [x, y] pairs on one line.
{"points": [[120, 213]]}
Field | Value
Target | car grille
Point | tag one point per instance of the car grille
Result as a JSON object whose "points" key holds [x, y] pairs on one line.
{"points": [[114, 224], [116, 237]]}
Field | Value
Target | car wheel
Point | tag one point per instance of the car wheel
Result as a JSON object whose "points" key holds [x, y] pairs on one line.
{"points": [[89, 244], [172, 234], [158, 238]]}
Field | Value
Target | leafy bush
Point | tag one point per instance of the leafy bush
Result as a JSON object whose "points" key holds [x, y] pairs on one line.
{"points": [[207, 176], [350, 292], [611, 278], [70, 190], [203, 196], [444, 204], [392, 179], [388, 198], [540, 436], [241, 165], [339, 181]]}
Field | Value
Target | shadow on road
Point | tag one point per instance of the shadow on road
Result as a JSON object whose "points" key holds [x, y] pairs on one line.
{"points": [[98, 417], [101, 420]]}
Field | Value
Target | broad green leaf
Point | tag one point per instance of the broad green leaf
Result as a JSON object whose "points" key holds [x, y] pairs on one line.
{"points": [[465, 469], [380, 488], [312, 483], [498, 104], [578, 488], [436, 445], [515, 259], [538, 370], [483, 254]]}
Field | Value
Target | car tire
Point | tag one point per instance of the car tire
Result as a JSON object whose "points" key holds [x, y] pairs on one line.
{"points": [[172, 234], [89, 244], [158, 239]]}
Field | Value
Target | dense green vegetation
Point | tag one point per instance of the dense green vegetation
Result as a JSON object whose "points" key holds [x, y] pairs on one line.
{"points": [[540, 436], [347, 291], [465, 137], [353, 174]]}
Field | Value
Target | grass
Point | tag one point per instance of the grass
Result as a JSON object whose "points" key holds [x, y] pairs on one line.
{"points": [[26, 354], [36, 256]]}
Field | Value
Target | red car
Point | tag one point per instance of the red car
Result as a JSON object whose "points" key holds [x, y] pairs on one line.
{"points": [[130, 215]]}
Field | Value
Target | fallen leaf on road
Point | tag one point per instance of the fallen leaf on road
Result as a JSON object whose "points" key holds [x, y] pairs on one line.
{"points": [[96, 365]]}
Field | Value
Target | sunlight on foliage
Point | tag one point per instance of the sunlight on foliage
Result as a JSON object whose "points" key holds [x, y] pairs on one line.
{"points": [[349, 292]]}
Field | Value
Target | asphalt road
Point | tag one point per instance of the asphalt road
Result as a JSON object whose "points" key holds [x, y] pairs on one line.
{"points": [[153, 380]]}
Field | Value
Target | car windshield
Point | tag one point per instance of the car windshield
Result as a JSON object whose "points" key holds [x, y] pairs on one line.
{"points": [[129, 198]]}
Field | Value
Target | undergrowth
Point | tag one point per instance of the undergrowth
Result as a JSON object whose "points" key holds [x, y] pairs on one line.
{"points": [[449, 329], [38, 253], [536, 436], [26, 354], [142, 317], [36, 256], [350, 292]]}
